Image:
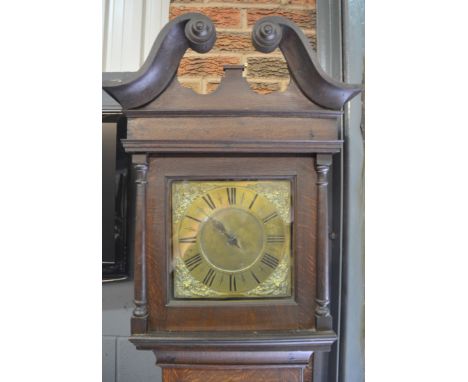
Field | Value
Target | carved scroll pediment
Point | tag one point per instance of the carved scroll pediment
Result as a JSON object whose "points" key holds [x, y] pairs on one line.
{"points": [[154, 90]]}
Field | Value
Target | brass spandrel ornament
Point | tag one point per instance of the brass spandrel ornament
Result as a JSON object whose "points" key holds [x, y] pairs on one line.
{"points": [[231, 239]]}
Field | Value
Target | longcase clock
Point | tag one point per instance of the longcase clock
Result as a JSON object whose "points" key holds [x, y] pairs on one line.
{"points": [[232, 278]]}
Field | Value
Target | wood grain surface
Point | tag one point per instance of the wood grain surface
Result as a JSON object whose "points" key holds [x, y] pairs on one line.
{"points": [[273, 314], [232, 129], [233, 97], [232, 375]]}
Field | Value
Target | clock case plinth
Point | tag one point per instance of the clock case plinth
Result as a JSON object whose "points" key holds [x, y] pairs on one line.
{"points": [[269, 357], [232, 132]]}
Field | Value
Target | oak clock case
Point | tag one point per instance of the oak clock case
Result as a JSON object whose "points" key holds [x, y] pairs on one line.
{"points": [[231, 228]]}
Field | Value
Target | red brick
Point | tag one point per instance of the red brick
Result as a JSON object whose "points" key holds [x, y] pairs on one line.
{"points": [[222, 17], [234, 42], [302, 2], [212, 85], [205, 66], [312, 39], [256, 86], [265, 87], [304, 18], [267, 67], [247, 1], [191, 84]]}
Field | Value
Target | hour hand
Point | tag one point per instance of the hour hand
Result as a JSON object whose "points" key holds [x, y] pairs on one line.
{"points": [[232, 240]]}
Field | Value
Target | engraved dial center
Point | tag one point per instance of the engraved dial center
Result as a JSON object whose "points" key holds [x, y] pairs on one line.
{"points": [[232, 239]]}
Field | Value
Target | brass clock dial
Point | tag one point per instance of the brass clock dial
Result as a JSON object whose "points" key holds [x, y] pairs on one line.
{"points": [[231, 239]]}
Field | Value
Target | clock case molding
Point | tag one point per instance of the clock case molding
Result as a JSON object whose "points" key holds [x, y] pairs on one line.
{"points": [[166, 122]]}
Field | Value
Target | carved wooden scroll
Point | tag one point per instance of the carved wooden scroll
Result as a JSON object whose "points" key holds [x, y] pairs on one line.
{"points": [[192, 30], [272, 32]]}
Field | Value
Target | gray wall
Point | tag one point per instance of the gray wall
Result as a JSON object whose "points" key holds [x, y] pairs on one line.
{"points": [[121, 362]]}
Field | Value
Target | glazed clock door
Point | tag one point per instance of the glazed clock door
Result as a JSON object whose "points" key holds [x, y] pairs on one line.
{"points": [[231, 243]]}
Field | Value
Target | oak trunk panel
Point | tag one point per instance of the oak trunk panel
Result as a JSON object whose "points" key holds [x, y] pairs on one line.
{"points": [[233, 375], [273, 314]]}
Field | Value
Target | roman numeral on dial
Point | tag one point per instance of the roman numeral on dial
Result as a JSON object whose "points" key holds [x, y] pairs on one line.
{"points": [[192, 239], [255, 277], [231, 194], [232, 283], [270, 261], [209, 201], [266, 219], [195, 219], [209, 278], [253, 201], [275, 239], [193, 262]]}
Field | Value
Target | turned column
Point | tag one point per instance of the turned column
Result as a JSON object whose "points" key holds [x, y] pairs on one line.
{"points": [[323, 319], [140, 313]]}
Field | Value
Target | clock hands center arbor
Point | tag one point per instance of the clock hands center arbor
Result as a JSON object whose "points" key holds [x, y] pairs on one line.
{"points": [[231, 239]]}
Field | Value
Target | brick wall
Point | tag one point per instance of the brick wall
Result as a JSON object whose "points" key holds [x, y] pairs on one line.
{"points": [[234, 20]]}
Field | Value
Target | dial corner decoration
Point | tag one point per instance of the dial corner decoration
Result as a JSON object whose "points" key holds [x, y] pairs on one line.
{"points": [[231, 239]]}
